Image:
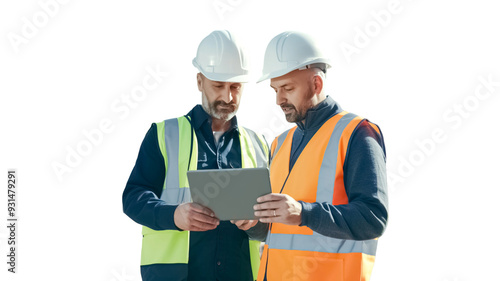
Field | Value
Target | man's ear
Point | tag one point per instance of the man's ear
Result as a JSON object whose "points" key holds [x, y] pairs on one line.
{"points": [[318, 84], [199, 81]]}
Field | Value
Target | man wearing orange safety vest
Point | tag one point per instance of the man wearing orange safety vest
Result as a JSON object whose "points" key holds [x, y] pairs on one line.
{"points": [[329, 201]]}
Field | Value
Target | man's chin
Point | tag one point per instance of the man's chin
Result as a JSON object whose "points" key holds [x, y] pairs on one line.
{"points": [[293, 118], [225, 115], [290, 117]]}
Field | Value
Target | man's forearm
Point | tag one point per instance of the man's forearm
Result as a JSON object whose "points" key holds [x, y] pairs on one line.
{"points": [[145, 208], [354, 221]]}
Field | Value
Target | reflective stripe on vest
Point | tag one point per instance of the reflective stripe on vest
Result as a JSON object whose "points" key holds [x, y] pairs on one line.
{"points": [[174, 139], [298, 253], [260, 155], [279, 141]]}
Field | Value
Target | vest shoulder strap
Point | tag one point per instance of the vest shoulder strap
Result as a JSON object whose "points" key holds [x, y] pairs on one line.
{"points": [[278, 141], [258, 141], [173, 135]]}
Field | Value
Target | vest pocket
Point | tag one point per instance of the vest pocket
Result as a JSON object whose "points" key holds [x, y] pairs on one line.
{"points": [[166, 246]]}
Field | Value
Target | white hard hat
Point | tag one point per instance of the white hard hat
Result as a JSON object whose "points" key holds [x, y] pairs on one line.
{"points": [[289, 51], [220, 58]]}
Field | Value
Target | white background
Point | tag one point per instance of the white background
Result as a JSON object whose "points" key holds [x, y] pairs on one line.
{"points": [[415, 67]]}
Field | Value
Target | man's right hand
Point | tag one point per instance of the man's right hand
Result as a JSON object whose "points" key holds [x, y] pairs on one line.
{"points": [[195, 217]]}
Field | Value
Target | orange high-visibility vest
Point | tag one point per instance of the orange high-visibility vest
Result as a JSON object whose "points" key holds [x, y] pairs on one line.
{"points": [[295, 253]]}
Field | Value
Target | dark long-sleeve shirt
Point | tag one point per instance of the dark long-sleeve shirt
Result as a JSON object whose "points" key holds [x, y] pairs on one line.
{"points": [[365, 217], [219, 254]]}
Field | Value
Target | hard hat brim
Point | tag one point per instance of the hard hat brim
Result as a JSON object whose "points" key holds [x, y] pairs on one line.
{"points": [[282, 72], [223, 77], [244, 78]]}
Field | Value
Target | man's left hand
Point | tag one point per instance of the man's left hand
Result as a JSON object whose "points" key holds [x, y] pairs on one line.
{"points": [[244, 224], [280, 208]]}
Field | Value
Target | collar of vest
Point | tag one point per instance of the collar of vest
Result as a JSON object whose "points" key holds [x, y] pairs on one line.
{"points": [[317, 115]]}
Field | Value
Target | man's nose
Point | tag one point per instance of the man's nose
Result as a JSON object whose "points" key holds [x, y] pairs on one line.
{"points": [[280, 97], [227, 96]]}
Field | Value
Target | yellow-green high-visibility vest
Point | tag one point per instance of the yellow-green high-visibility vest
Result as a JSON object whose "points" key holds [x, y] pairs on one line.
{"points": [[177, 140]]}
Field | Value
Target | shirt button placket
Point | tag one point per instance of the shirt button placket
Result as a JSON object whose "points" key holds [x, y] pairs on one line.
{"points": [[219, 156]]}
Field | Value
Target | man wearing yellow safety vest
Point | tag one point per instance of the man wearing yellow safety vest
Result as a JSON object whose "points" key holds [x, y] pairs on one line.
{"points": [[183, 240], [329, 201]]}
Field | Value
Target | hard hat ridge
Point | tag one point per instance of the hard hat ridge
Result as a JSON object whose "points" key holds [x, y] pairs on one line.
{"points": [[289, 51], [221, 58]]}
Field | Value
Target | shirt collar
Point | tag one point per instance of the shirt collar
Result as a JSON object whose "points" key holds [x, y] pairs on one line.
{"points": [[317, 115], [200, 116]]}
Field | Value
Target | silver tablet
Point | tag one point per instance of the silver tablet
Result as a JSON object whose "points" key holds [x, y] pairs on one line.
{"points": [[230, 193]]}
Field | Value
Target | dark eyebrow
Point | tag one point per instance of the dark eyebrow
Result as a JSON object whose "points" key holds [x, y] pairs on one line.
{"points": [[282, 86]]}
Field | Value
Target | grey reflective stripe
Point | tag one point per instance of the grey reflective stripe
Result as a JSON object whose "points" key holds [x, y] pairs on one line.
{"points": [[268, 237], [258, 147], [281, 139], [326, 181], [172, 194], [320, 243]]}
